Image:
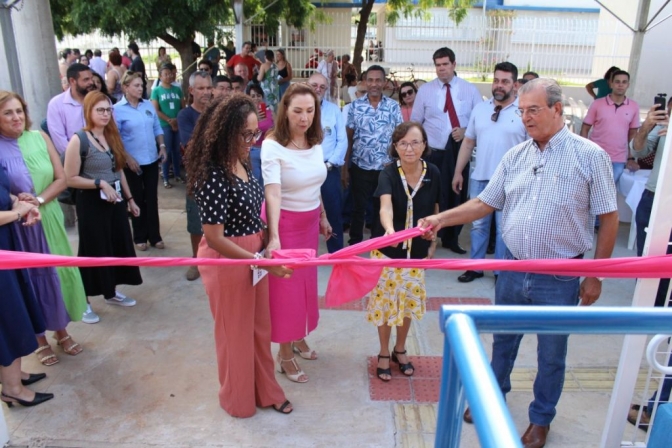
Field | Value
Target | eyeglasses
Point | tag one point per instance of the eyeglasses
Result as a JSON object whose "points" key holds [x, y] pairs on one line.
{"points": [[403, 146], [407, 93], [495, 116], [250, 136], [104, 110], [322, 87], [533, 111]]}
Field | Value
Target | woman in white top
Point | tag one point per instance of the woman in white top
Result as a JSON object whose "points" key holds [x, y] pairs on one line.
{"points": [[293, 169]]}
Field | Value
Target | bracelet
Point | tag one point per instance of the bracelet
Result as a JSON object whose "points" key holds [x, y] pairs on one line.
{"points": [[19, 216], [129, 199], [631, 158], [257, 256]]}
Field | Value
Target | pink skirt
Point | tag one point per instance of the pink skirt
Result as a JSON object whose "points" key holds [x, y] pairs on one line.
{"points": [[293, 301]]}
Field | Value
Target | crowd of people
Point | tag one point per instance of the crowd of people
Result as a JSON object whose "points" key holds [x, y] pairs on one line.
{"points": [[268, 169]]}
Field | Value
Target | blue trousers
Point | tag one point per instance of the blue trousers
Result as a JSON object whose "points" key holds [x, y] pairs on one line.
{"points": [[255, 161], [332, 197], [480, 229], [521, 288], [172, 140]]}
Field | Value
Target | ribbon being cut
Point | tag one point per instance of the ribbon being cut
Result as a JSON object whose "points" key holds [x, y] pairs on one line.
{"points": [[354, 276]]}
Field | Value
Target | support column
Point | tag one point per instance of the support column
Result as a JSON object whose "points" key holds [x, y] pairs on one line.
{"points": [[638, 40], [238, 30]]}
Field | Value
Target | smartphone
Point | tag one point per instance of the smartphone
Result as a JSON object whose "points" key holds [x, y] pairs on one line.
{"points": [[262, 110], [661, 99]]}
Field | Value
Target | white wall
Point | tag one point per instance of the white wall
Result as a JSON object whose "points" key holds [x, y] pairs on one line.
{"points": [[553, 3]]}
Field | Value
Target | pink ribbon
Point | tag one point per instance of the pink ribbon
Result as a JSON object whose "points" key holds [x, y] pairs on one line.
{"points": [[354, 276]]}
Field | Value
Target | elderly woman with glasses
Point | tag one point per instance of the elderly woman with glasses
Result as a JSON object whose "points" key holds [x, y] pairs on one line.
{"points": [[407, 93], [229, 198], [408, 189]]}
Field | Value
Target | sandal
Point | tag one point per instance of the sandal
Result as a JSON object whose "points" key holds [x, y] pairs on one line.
{"points": [[282, 408], [74, 350], [141, 246], [167, 184], [160, 245], [309, 355], [48, 360], [292, 376], [402, 367], [380, 371]]}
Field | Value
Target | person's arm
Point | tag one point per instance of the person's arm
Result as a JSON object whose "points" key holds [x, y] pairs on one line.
{"points": [[341, 147], [643, 142], [273, 196], [161, 115], [590, 88], [132, 206], [418, 111], [463, 158], [56, 125], [290, 74], [262, 71], [585, 129], [111, 80], [18, 212], [58, 184], [325, 227], [158, 135], [386, 214], [467, 212], [591, 287]]}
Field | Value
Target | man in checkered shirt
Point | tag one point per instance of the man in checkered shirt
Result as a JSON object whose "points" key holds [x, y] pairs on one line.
{"points": [[548, 188]]}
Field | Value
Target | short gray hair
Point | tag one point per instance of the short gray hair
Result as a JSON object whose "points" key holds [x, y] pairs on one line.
{"points": [[550, 86], [198, 74]]}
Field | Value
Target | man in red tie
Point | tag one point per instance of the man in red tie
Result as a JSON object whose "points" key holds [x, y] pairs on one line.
{"points": [[443, 106]]}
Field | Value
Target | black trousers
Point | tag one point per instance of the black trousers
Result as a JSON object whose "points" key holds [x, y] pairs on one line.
{"points": [[144, 187], [363, 184], [446, 161]]}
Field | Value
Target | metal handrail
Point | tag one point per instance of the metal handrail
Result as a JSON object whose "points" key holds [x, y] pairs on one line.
{"points": [[467, 371]]}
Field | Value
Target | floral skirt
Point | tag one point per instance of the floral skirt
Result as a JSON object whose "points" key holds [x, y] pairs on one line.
{"points": [[400, 293]]}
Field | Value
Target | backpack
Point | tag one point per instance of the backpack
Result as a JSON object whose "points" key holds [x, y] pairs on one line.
{"points": [[67, 196]]}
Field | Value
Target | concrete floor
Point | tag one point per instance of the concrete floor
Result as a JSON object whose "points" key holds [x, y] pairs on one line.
{"points": [[147, 376]]}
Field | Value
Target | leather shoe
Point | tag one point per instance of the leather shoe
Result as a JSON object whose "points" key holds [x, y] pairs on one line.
{"points": [[467, 416], [644, 421], [454, 247], [469, 276], [535, 436]]}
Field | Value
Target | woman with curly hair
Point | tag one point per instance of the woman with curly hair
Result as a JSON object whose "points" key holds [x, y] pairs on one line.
{"points": [[292, 164], [408, 189], [229, 198]]}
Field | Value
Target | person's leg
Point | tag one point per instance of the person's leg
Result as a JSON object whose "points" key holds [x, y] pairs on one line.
{"points": [[384, 332], [617, 169], [150, 180], [480, 230], [174, 147], [195, 231], [642, 215], [500, 247], [139, 223], [550, 290], [167, 131], [65, 341], [332, 199], [11, 383], [358, 183], [400, 346]]}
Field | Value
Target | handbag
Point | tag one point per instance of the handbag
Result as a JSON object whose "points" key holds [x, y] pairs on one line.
{"points": [[67, 196]]}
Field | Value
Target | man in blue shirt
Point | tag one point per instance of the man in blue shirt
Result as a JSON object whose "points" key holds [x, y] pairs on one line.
{"points": [[371, 121], [200, 87], [334, 147]]}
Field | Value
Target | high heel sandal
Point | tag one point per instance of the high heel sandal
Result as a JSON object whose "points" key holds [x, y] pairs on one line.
{"points": [[380, 371], [282, 408], [291, 376], [39, 399], [310, 355], [74, 350], [48, 360], [402, 367]]}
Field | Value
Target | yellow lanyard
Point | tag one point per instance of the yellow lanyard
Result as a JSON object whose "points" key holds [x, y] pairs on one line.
{"points": [[409, 203]]}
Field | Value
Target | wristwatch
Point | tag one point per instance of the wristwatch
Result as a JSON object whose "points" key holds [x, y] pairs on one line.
{"points": [[329, 165], [162, 145], [40, 199], [96, 182]]}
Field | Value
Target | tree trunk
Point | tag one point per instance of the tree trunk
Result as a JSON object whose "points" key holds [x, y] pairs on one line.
{"points": [[364, 15], [186, 56]]}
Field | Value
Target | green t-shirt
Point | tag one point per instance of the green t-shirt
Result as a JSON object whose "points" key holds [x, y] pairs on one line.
{"points": [[170, 101], [603, 88]]}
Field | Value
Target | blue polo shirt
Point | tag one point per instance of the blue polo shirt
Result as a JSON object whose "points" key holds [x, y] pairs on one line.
{"points": [[139, 127]]}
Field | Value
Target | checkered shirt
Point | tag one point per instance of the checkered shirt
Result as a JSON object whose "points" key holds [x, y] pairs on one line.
{"points": [[549, 198]]}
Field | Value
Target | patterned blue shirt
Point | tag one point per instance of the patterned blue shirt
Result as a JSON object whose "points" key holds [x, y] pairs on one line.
{"points": [[549, 198], [373, 131]]}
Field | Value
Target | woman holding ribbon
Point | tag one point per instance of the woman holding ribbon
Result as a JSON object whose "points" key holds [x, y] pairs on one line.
{"points": [[292, 165], [229, 198], [407, 189]]}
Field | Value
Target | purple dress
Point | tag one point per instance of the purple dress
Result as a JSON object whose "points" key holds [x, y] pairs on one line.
{"points": [[45, 281]]}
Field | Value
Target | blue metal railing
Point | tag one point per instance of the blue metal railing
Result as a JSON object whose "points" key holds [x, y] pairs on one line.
{"points": [[466, 368]]}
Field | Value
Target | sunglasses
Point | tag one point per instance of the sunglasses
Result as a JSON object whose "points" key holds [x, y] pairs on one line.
{"points": [[495, 116], [407, 93]]}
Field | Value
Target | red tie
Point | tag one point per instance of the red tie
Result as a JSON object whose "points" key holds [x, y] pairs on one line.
{"points": [[450, 108]]}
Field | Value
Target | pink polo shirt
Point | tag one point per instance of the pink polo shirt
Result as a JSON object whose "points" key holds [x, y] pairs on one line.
{"points": [[611, 125]]}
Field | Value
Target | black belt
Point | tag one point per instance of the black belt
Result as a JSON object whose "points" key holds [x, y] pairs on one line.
{"points": [[573, 258], [648, 193]]}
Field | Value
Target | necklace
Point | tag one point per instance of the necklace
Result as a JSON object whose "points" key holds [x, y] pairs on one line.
{"points": [[98, 141], [409, 200], [294, 143]]}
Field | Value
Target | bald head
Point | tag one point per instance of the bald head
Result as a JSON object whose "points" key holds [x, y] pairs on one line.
{"points": [[242, 71], [319, 84]]}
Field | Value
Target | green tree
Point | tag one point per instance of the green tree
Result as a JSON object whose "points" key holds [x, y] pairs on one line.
{"points": [[395, 9], [173, 21]]}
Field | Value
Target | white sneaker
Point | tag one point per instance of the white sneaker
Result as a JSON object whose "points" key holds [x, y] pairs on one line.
{"points": [[121, 300], [89, 317]]}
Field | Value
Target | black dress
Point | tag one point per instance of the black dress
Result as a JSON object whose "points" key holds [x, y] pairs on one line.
{"points": [[20, 316]]}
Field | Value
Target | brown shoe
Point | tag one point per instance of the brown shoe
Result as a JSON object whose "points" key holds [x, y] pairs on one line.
{"points": [[535, 436], [192, 273], [467, 416], [644, 421]]}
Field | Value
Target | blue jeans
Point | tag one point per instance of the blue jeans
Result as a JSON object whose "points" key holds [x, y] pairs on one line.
{"points": [[617, 170], [332, 198], [521, 288], [480, 229], [172, 140], [255, 161]]}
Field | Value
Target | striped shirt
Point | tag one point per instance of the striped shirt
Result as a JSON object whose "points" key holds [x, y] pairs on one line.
{"points": [[548, 198], [430, 102]]}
